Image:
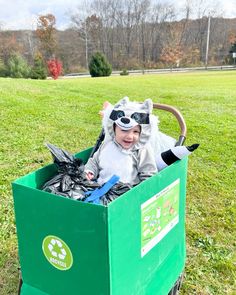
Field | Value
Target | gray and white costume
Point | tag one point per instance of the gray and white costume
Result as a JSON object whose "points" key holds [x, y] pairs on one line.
{"points": [[132, 165]]}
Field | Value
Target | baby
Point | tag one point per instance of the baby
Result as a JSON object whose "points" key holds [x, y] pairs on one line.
{"points": [[125, 151]]}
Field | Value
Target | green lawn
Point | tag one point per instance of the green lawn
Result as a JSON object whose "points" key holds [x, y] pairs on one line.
{"points": [[65, 113]]}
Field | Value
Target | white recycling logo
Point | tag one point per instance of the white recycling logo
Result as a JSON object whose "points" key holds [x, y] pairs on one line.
{"points": [[51, 248], [57, 252]]}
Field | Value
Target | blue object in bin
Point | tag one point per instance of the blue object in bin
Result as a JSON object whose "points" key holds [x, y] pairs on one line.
{"points": [[95, 195]]}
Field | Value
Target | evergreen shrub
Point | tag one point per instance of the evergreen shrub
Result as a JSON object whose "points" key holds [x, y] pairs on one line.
{"points": [[3, 70], [18, 67], [124, 73], [99, 66], [38, 70]]}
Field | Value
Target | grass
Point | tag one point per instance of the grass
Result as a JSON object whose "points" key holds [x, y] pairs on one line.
{"points": [[64, 112]]}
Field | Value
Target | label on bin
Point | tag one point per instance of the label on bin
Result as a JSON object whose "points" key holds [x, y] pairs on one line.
{"points": [[159, 215], [57, 252]]}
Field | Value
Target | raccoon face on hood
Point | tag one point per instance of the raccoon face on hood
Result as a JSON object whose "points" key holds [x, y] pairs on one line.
{"points": [[126, 115]]}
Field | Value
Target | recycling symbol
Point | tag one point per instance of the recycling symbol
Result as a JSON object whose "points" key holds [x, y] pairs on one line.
{"points": [[51, 246], [57, 252]]}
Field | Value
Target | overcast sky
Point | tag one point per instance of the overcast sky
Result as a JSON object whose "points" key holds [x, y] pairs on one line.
{"points": [[22, 14]]}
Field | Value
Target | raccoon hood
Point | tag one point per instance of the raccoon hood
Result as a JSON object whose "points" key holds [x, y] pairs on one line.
{"points": [[126, 115]]}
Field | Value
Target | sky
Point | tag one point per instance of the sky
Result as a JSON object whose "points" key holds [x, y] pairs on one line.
{"points": [[22, 14]]}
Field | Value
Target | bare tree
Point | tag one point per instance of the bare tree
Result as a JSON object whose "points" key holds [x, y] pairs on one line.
{"points": [[195, 32], [80, 24], [107, 11], [160, 19]]}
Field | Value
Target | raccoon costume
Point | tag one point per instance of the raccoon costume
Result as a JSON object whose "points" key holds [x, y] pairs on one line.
{"points": [[131, 165]]}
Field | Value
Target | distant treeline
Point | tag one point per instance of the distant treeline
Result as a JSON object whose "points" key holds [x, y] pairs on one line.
{"points": [[131, 38]]}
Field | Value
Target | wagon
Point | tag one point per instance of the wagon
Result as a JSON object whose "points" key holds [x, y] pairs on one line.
{"points": [[133, 246]]}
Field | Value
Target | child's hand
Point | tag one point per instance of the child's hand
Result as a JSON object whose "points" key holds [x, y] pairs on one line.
{"points": [[89, 175], [106, 104]]}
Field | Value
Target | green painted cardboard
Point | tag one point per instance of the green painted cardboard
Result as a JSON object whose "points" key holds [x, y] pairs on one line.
{"points": [[129, 247]]}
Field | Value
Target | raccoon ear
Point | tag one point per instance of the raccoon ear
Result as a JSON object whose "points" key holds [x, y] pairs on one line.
{"points": [[148, 105], [123, 102]]}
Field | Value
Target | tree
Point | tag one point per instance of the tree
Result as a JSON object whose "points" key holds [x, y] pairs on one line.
{"points": [[18, 67], [8, 46], [171, 56], [54, 68], [3, 71], [232, 41], [46, 33], [99, 66], [232, 50], [107, 12], [80, 20], [71, 51], [38, 70]]}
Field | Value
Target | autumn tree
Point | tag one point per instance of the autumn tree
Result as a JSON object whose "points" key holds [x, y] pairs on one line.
{"points": [[46, 34], [232, 50], [232, 41], [8, 46], [54, 68], [171, 56]]}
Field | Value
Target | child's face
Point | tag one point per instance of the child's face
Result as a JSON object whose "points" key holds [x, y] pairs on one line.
{"points": [[127, 138]]}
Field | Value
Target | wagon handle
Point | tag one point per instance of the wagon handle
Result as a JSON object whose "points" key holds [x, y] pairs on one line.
{"points": [[179, 118]]}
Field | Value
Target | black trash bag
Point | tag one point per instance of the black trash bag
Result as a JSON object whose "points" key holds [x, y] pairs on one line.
{"points": [[70, 181], [66, 162], [116, 191]]}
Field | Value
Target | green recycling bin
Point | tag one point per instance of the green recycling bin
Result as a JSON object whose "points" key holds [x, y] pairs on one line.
{"points": [[134, 246]]}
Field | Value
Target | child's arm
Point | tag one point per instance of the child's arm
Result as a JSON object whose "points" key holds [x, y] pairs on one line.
{"points": [[91, 168], [146, 163]]}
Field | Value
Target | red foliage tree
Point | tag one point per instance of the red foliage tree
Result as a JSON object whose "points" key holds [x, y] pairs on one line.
{"points": [[54, 68]]}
